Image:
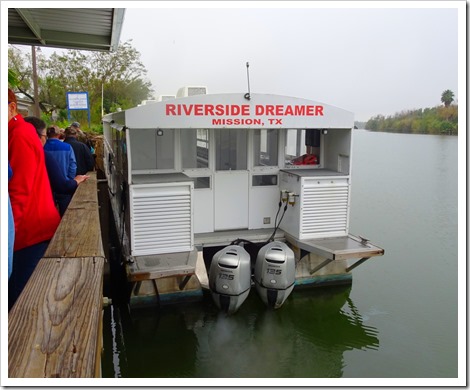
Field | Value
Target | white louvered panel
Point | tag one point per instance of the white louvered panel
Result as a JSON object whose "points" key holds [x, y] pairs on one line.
{"points": [[324, 208], [161, 218]]}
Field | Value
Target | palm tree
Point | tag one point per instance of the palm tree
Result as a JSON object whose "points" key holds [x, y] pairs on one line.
{"points": [[447, 97]]}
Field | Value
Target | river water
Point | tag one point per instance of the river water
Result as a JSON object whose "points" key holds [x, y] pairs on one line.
{"points": [[398, 320]]}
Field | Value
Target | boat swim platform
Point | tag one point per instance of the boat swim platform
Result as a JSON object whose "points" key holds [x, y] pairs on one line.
{"points": [[161, 266], [163, 278], [338, 249]]}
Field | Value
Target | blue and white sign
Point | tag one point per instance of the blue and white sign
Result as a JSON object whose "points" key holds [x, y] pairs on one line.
{"points": [[77, 101]]}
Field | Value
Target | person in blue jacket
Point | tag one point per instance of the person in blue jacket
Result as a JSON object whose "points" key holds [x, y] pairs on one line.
{"points": [[11, 228], [62, 152], [60, 184]]}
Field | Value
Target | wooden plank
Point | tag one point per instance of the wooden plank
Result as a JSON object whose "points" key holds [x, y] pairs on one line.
{"points": [[79, 234], [53, 329]]}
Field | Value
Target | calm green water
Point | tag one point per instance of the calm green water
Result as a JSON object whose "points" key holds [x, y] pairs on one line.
{"points": [[397, 320]]}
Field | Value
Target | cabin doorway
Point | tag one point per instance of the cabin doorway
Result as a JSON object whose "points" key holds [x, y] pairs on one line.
{"points": [[231, 179]]}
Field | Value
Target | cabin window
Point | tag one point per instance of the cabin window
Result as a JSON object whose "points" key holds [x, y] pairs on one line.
{"points": [[231, 149], [302, 147], [119, 142], [195, 148], [152, 149], [202, 182], [265, 148], [264, 180], [165, 145]]}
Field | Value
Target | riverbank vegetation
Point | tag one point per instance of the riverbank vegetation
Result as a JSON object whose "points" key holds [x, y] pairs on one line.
{"points": [[436, 120]]}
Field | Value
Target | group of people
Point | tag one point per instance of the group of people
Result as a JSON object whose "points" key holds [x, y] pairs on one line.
{"points": [[43, 174]]}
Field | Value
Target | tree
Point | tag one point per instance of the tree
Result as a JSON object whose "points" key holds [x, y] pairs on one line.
{"points": [[447, 97], [19, 63], [12, 78], [120, 74]]}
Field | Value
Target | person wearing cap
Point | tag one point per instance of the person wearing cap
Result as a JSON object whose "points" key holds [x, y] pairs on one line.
{"points": [[35, 215], [62, 152], [83, 156], [81, 136], [76, 126]]}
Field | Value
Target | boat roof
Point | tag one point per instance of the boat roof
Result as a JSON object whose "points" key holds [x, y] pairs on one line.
{"points": [[234, 110]]}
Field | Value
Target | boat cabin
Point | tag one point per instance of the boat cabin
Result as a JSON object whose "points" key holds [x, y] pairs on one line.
{"points": [[203, 170]]}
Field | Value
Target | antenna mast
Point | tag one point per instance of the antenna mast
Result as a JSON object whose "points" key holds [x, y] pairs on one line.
{"points": [[247, 95]]}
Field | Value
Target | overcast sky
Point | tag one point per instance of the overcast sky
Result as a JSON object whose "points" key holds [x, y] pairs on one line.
{"points": [[365, 60]]}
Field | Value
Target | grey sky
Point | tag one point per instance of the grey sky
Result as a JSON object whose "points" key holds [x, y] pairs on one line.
{"points": [[368, 61]]}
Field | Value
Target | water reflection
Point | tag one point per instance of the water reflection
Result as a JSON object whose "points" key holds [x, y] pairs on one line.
{"points": [[305, 338]]}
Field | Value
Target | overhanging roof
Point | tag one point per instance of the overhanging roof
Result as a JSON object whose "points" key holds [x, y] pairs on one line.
{"points": [[69, 28]]}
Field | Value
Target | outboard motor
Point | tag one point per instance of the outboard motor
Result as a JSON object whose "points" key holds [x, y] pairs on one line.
{"points": [[275, 273], [230, 278]]}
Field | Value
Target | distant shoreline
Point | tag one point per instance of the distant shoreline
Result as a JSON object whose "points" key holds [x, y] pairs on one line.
{"points": [[441, 120], [401, 132]]}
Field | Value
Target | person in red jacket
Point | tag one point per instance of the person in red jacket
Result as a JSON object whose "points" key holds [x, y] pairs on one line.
{"points": [[36, 217]]}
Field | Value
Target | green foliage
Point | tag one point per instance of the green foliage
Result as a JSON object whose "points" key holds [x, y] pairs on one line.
{"points": [[120, 75], [12, 78], [19, 63], [97, 129], [436, 120]]}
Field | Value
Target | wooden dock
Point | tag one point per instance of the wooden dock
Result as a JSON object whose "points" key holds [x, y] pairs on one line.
{"points": [[55, 327]]}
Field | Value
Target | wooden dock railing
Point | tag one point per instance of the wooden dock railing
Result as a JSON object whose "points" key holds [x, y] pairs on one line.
{"points": [[55, 327]]}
